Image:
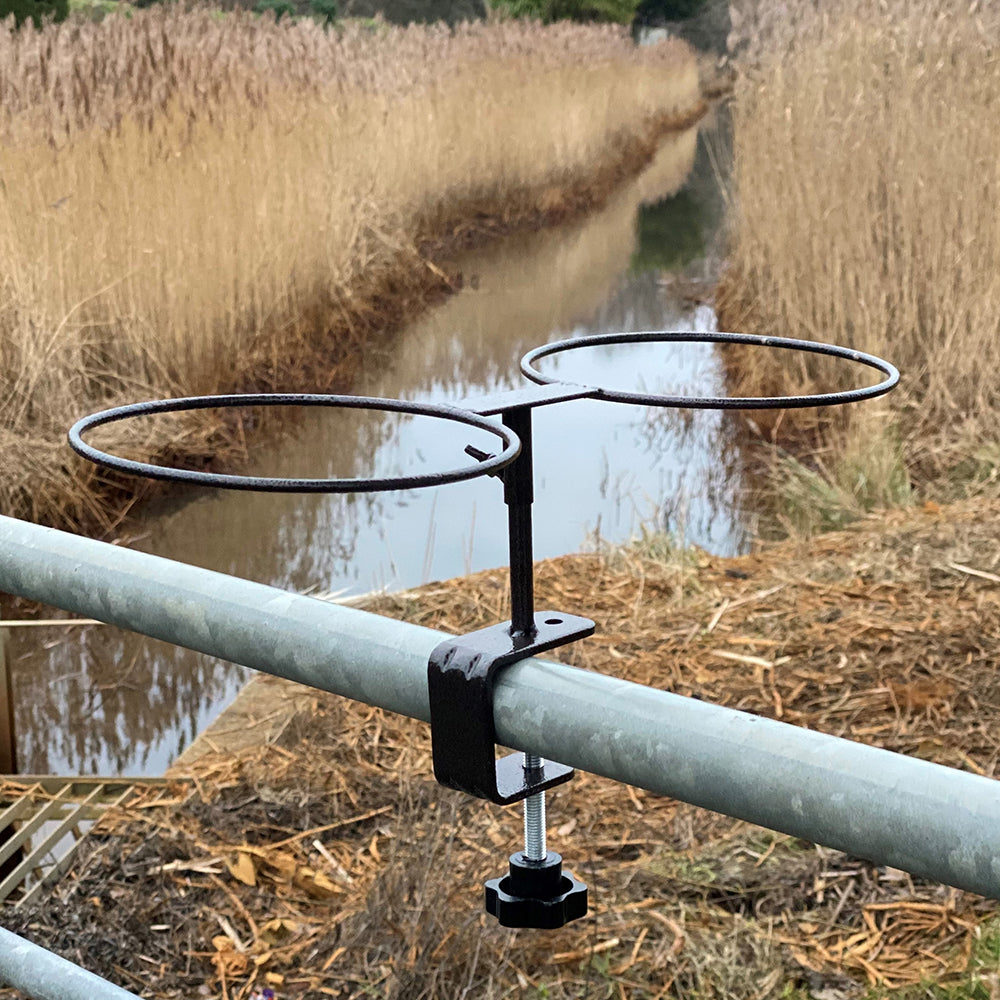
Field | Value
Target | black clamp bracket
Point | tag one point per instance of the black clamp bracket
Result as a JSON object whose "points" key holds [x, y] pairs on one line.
{"points": [[460, 677]]}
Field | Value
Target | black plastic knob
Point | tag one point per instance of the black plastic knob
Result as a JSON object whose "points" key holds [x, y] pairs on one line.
{"points": [[536, 894]]}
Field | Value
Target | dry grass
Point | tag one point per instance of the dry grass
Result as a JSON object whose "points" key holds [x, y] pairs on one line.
{"points": [[864, 214], [194, 202]]}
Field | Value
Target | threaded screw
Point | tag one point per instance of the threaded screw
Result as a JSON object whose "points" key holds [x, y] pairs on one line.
{"points": [[534, 816]]}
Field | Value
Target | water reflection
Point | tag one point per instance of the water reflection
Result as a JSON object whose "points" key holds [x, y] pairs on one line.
{"points": [[102, 700], [94, 700]]}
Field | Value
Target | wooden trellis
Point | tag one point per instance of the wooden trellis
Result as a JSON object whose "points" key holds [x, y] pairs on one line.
{"points": [[44, 821]]}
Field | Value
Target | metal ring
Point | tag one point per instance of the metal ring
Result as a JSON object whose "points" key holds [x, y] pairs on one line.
{"points": [[719, 402], [511, 443]]}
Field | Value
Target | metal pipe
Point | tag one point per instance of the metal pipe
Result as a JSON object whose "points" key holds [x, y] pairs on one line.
{"points": [[43, 975], [887, 808]]}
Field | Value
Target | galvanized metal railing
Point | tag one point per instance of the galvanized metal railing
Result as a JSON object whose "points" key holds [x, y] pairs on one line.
{"points": [[42, 974], [891, 809]]}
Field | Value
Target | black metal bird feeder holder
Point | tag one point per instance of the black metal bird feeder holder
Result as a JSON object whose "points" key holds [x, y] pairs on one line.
{"points": [[461, 672]]}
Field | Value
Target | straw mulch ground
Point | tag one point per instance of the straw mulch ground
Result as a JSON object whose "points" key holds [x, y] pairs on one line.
{"points": [[331, 865]]}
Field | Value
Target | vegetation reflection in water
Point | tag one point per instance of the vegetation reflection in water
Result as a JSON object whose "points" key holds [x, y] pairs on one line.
{"points": [[103, 700]]}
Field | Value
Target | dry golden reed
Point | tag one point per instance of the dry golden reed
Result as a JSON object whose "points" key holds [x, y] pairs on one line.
{"points": [[864, 213], [194, 202]]}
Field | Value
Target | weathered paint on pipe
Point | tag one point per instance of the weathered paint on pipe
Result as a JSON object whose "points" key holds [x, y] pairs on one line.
{"points": [[890, 809], [45, 976]]}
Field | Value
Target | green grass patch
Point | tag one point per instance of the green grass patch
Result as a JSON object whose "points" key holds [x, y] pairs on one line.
{"points": [[870, 473], [97, 10]]}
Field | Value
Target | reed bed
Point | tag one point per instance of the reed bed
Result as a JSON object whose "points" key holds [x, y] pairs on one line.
{"points": [[864, 213], [195, 202]]}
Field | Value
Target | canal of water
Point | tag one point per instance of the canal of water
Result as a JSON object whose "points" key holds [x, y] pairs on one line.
{"points": [[98, 700]]}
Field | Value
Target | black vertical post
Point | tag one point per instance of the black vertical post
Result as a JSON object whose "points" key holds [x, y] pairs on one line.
{"points": [[518, 494], [8, 746]]}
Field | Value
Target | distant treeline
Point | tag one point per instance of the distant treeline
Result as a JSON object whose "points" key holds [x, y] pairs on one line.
{"points": [[548, 11], [640, 12], [36, 10]]}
